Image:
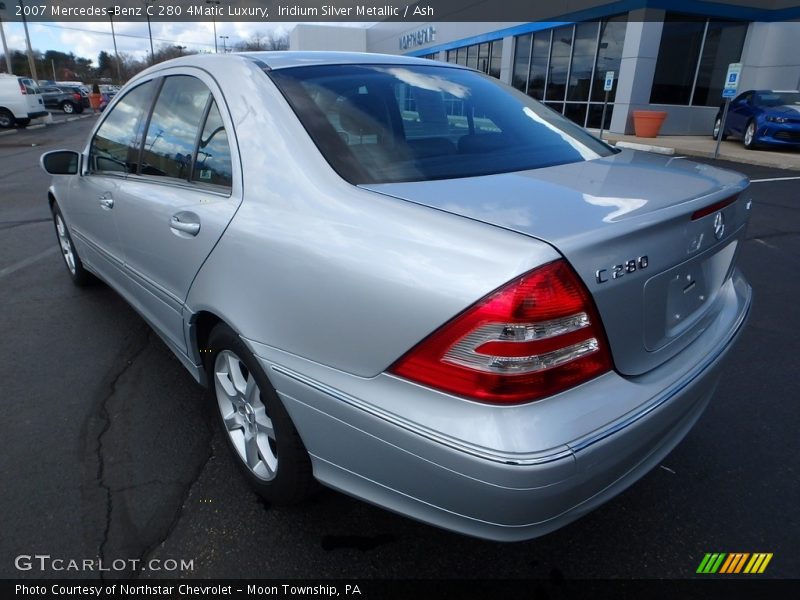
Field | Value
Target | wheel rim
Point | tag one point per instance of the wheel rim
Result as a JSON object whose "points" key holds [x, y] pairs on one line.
{"points": [[66, 244], [245, 416], [716, 129], [5, 120], [68, 108], [748, 134]]}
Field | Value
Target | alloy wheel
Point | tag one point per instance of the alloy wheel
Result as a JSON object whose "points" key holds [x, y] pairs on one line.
{"points": [[66, 244], [749, 134], [245, 416]]}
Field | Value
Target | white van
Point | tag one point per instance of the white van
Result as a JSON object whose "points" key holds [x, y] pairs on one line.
{"points": [[20, 101]]}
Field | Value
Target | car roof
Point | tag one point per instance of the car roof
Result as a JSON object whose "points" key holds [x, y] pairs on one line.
{"points": [[288, 59]]}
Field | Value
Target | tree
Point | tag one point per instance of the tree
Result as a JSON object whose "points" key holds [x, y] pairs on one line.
{"points": [[261, 41]]}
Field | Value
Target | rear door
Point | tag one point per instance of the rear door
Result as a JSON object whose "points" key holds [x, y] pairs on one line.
{"points": [[187, 187]]}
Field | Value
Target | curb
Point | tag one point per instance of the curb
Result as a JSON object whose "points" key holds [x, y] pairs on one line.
{"points": [[8, 132], [646, 147], [750, 160]]}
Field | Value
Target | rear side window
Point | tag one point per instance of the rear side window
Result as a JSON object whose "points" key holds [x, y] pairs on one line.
{"points": [[115, 146], [186, 139], [173, 128], [213, 164]]}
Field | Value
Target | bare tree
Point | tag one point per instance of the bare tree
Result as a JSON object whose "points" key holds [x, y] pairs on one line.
{"points": [[264, 41]]}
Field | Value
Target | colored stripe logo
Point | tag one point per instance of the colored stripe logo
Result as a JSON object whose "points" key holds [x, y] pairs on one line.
{"points": [[734, 563]]}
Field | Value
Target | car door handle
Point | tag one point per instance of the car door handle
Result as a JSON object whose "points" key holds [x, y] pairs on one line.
{"points": [[106, 201], [183, 226]]}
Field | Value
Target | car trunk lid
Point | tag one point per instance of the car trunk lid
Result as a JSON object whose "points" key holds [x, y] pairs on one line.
{"points": [[654, 238]]}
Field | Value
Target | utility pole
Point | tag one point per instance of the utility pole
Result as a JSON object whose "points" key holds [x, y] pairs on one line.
{"points": [[5, 46], [214, 21], [224, 44], [149, 32], [116, 53], [31, 62]]}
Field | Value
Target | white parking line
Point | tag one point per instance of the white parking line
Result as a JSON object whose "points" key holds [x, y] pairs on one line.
{"points": [[27, 261], [774, 179]]}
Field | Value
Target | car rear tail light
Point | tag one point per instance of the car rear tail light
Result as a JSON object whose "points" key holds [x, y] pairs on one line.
{"points": [[538, 335], [22, 89], [712, 208], [77, 96]]}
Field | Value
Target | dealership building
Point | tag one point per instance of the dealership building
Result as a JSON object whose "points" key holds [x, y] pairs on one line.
{"points": [[669, 55]]}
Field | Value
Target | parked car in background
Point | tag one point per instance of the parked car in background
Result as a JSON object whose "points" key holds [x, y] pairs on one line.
{"points": [[20, 101], [763, 117], [109, 90], [67, 100], [410, 282], [78, 89]]}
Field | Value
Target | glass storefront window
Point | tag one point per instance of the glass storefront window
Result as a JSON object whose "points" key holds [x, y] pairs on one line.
{"points": [[522, 58], [495, 53], [560, 53], [609, 56], [580, 72], [681, 39], [538, 74], [569, 64], [723, 45]]}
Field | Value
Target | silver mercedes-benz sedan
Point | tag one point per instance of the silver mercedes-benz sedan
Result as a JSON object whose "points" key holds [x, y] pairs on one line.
{"points": [[409, 282]]}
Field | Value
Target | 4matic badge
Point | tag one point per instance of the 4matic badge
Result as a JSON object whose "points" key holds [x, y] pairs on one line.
{"points": [[629, 266]]}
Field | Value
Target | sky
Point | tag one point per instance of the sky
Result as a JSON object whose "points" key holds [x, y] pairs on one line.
{"points": [[89, 38]]}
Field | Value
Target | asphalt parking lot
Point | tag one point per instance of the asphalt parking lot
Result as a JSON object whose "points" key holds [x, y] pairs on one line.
{"points": [[110, 448]]}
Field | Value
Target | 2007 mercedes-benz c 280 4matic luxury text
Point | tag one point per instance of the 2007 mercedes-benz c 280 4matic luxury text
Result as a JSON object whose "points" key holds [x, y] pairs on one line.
{"points": [[408, 281]]}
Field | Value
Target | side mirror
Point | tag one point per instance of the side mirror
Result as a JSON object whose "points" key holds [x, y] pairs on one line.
{"points": [[61, 162]]}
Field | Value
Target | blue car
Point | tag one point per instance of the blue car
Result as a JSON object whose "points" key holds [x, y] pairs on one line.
{"points": [[763, 117]]}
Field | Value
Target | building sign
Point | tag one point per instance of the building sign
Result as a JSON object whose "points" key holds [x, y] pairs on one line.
{"points": [[418, 38]]}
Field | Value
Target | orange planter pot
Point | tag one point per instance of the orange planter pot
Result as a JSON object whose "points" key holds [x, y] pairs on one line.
{"points": [[647, 123]]}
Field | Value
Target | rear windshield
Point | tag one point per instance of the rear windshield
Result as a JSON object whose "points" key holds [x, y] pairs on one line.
{"points": [[388, 123]]}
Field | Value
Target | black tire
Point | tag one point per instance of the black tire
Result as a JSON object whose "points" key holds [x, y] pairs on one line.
{"points": [[292, 480], [6, 119], [749, 141], [80, 276], [717, 125], [68, 107], [23, 122]]}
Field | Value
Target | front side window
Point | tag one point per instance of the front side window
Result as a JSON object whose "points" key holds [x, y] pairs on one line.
{"points": [[115, 146], [384, 123]]}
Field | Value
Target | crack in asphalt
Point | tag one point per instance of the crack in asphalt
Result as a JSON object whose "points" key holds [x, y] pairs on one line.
{"points": [[186, 493], [137, 350], [12, 224]]}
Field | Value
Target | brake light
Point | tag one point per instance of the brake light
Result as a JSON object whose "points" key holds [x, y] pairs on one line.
{"points": [[704, 212], [22, 89], [538, 335], [77, 96]]}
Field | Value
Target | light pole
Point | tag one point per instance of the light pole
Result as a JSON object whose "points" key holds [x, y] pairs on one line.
{"points": [[214, 21], [5, 46], [116, 53], [224, 44], [149, 31], [31, 62]]}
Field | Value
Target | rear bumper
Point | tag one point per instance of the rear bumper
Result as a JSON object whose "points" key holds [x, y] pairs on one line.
{"points": [[492, 492], [37, 114]]}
